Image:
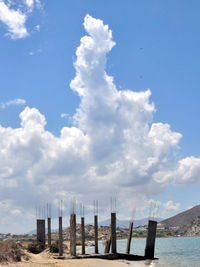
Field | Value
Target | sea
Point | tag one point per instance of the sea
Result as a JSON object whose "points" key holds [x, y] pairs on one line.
{"points": [[172, 252]]}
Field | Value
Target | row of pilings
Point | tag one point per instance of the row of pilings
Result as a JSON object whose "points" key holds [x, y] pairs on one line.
{"points": [[111, 243]]}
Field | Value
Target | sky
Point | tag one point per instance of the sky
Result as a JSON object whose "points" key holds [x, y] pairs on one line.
{"points": [[98, 99]]}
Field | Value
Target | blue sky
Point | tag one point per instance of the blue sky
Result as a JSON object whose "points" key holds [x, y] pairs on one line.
{"points": [[157, 47]]}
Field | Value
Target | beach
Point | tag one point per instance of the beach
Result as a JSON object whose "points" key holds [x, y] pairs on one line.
{"points": [[45, 259]]}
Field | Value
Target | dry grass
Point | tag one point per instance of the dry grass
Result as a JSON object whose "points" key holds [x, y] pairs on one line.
{"points": [[11, 251]]}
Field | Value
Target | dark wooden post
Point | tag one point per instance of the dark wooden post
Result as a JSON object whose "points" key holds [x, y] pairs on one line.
{"points": [[129, 238], [96, 251], [41, 231], [150, 241], [73, 234], [49, 232], [60, 237], [83, 234], [113, 233]]}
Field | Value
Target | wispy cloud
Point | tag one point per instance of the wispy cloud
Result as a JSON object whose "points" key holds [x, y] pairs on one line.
{"points": [[37, 27], [64, 115], [32, 53], [14, 102], [67, 117], [30, 3]]}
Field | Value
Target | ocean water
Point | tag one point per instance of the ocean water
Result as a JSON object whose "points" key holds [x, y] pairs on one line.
{"points": [[172, 252]]}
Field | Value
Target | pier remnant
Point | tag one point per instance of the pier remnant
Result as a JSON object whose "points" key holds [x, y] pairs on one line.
{"points": [[49, 224], [60, 237], [113, 233], [49, 231], [60, 241], [73, 234], [129, 238], [95, 203], [150, 241], [83, 235], [96, 234], [41, 231]]}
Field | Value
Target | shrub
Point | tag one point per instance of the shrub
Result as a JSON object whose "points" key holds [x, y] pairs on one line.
{"points": [[54, 248], [36, 247]]}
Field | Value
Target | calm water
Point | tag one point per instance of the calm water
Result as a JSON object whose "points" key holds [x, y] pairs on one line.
{"points": [[178, 251]]}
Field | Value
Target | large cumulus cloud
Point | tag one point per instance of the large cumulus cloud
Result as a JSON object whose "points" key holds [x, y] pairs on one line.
{"points": [[112, 149]]}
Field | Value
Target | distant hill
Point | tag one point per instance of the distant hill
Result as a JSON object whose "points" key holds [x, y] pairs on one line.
{"points": [[183, 219], [125, 223]]}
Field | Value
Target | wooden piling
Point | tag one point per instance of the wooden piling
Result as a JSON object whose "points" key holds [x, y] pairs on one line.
{"points": [[96, 251], [60, 237], [73, 234], [129, 238], [41, 231], [83, 235], [150, 241], [49, 232], [113, 233]]}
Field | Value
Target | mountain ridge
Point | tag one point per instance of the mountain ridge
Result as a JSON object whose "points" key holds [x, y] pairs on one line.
{"points": [[182, 219]]}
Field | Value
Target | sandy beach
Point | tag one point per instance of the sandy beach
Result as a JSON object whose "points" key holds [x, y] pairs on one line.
{"points": [[79, 263], [46, 259], [70, 263]]}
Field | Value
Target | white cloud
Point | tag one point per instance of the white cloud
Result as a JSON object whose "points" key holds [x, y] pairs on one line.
{"points": [[29, 3], [15, 14], [32, 118], [112, 149], [170, 206], [14, 102], [15, 21], [187, 170]]}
